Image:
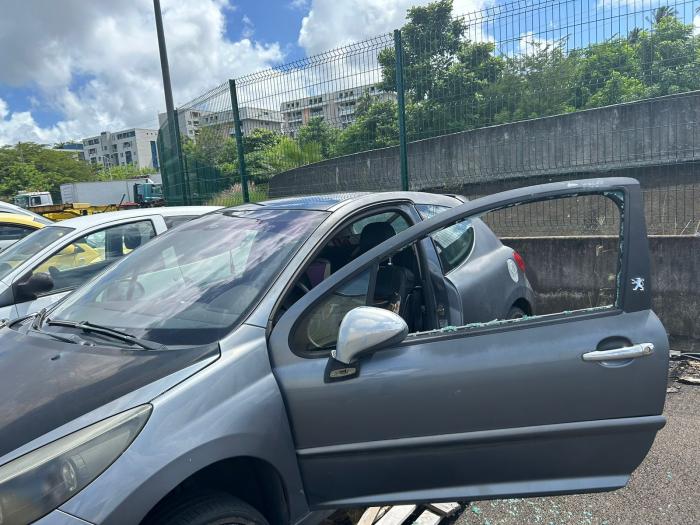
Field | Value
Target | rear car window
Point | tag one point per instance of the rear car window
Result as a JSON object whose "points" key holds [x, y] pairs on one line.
{"points": [[14, 232], [453, 244]]}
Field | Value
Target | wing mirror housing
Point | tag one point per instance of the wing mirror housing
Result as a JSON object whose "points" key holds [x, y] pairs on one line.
{"points": [[363, 330], [30, 289]]}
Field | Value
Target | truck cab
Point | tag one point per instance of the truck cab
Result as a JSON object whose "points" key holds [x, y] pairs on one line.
{"points": [[32, 199]]}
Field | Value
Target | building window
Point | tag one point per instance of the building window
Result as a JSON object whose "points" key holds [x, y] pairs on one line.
{"points": [[126, 145], [128, 157]]}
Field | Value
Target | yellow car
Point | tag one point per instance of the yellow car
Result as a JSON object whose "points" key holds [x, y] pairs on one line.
{"points": [[14, 227]]}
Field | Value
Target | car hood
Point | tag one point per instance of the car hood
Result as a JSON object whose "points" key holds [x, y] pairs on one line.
{"points": [[47, 383]]}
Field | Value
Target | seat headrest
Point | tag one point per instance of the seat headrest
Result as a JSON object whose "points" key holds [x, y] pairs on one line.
{"points": [[132, 238], [318, 271], [375, 233]]}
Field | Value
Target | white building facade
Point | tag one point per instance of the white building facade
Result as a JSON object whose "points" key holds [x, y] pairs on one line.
{"points": [[190, 121], [135, 146], [336, 107]]}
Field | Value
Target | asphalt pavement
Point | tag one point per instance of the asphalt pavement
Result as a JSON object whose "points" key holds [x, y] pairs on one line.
{"points": [[665, 489]]}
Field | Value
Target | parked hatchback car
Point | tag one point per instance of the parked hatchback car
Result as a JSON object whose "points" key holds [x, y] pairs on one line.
{"points": [[45, 266], [197, 381], [14, 227]]}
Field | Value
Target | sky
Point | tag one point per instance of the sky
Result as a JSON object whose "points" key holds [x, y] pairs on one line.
{"points": [[73, 68]]}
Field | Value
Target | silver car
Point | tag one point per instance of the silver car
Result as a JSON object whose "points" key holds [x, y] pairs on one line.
{"points": [[268, 363], [48, 264]]}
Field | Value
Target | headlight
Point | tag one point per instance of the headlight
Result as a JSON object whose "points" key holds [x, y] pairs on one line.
{"points": [[40, 481]]}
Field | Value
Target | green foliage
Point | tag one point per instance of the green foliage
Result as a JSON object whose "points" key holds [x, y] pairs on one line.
{"points": [[445, 73], [375, 126], [289, 153], [455, 82], [318, 131], [31, 167]]}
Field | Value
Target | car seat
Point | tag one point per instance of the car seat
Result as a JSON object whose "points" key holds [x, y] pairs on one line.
{"points": [[373, 234]]}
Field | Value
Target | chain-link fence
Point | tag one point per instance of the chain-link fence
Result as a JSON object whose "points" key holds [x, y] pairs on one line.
{"points": [[515, 94]]}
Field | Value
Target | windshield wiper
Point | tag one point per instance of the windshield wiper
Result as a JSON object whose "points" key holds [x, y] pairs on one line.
{"points": [[36, 327], [86, 326], [38, 319]]}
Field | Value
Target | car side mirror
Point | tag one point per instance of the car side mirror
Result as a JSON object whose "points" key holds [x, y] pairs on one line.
{"points": [[363, 329], [37, 283]]}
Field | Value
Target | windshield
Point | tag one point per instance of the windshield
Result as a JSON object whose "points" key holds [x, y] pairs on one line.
{"points": [[195, 283], [26, 248]]}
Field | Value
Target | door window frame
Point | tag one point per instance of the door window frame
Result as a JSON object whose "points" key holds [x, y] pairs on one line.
{"points": [[404, 207], [625, 192]]}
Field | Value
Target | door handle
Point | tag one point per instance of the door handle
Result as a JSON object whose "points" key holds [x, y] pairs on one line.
{"points": [[616, 354]]}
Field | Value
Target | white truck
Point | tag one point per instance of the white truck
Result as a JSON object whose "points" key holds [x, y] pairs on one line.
{"points": [[103, 193]]}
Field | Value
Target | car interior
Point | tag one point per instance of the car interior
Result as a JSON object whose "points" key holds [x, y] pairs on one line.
{"points": [[398, 286], [116, 242]]}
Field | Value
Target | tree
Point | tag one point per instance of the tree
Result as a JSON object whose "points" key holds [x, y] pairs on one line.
{"points": [[445, 73], [318, 131], [668, 57], [31, 167], [288, 154], [255, 146], [375, 126]]}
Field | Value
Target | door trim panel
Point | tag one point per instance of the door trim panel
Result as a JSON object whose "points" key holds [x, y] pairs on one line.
{"points": [[484, 465], [482, 437]]}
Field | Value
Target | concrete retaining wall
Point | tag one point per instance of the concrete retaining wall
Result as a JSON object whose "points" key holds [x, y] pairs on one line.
{"points": [[578, 272], [614, 139]]}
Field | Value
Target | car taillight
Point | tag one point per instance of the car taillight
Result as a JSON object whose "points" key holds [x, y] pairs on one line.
{"points": [[519, 261]]}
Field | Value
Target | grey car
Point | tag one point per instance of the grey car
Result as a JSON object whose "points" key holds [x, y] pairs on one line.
{"points": [[253, 366]]}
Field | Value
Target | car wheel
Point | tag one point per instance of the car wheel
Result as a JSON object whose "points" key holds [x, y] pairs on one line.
{"points": [[210, 508], [516, 313]]}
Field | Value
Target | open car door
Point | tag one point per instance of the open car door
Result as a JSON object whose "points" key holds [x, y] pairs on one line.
{"points": [[549, 404]]}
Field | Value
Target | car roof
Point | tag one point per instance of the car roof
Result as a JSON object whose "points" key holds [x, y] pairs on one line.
{"points": [[16, 218], [333, 201], [7, 207], [87, 221], [322, 202]]}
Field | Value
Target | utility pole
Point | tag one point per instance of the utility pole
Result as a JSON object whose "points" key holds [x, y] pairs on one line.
{"points": [[169, 106]]}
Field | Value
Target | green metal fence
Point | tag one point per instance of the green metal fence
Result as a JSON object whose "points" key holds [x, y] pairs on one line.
{"points": [[514, 94]]}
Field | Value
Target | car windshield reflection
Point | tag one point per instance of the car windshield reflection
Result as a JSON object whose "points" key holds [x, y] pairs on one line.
{"points": [[196, 283]]}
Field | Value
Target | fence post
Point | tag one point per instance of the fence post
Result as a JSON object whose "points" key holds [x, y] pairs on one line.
{"points": [[177, 144], [239, 139], [403, 151]]}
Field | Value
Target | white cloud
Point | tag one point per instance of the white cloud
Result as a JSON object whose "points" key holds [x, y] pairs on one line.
{"points": [[299, 4], [96, 63], [248, 27], [529, 44], [333, 23]]}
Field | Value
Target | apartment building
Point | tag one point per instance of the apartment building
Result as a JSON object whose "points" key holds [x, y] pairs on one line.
{"points": [[74, 149], [135, 146], [190, 121], [337, 107]]}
